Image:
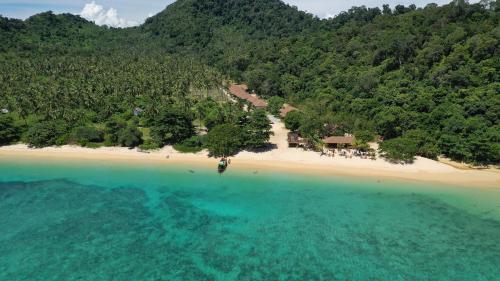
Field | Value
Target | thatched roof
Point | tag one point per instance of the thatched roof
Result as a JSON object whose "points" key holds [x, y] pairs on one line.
{"points": [[241, 91], [339, 140]]}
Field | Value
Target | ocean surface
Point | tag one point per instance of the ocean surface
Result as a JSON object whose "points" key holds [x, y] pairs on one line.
{"points": [[70, 220]]}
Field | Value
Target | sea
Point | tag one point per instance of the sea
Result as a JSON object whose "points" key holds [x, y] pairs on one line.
{"points": [[98, 220]]}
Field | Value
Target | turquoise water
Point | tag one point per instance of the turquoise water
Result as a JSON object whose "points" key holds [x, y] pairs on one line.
{"points": [[102, 221]]}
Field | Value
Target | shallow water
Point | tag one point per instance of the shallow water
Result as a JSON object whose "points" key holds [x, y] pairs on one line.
{"points": [[102, 221]]}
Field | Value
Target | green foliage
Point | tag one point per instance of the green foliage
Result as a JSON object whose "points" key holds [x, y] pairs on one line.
{"points": [[479, 148], [312, 128], [9, 131], [486, 146], [46, 133], [362, 146], [257, 130], [413, 143], [399, 150], [149, 145], [224, 140], [113, 128], [93, 145], [293, 120], [86, 135], [171, 126], [215, 116], [121, 133], [192, 145], [213, 113], [390, 121], [129, 136], [390, 71], [275, 104], [225, 32], [426, 145], [364, 136]]}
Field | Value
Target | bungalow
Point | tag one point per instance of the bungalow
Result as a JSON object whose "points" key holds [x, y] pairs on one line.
{"points": [[336, 141], [295, 140], [241, 92]]}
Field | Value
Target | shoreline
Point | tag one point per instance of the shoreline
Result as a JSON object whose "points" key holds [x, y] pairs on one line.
{"points": [[279, 160]]}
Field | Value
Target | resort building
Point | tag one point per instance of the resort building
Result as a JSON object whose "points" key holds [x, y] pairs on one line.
{"points": [[295, 140], [339, 141], [286, 109], [240, 91]]}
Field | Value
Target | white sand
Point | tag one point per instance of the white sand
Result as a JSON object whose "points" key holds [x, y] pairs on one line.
{"points": [[282, 158]]}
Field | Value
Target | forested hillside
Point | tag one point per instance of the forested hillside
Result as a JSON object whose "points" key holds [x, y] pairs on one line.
{"points": [[64, 80], [425, 79]]}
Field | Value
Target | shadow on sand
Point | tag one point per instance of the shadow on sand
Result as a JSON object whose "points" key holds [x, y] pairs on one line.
{"points": [[267, 148]]}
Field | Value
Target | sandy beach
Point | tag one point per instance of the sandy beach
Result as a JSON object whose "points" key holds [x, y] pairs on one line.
{"points": [[281, 158]]}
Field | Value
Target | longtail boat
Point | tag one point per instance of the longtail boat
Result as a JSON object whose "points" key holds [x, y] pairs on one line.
{"points": [[222, 165]]}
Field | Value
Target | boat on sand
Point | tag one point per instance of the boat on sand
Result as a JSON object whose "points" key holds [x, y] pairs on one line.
{"points": [[222, 166]]}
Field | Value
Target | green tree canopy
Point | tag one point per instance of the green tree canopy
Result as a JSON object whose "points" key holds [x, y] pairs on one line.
{"points": [[293, 120], [9, 131], [224, 140], [275, 103], [390, 71], [84, 135], [399, 150], [129, 136], [172, 125], [257, 130], [45, 133]]}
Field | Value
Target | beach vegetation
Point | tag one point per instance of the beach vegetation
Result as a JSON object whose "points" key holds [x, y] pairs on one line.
{"points": [[192, 145], [204, 107], [389, 71], [146, 133], [426, 144], [149, 144], [113, 126], [224, 140], [87, 134], [257, 130], [129, 136], [172, 125], [293, 120], [93, 145], [399, 150], [221, 113], [9, 131], [275, 103], [365, 136], [46, 133], [312, 128], [361, 145], [217, 115]]}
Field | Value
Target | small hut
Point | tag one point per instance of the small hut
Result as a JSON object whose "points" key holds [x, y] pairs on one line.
{"points": [[294, 139], [339, 141], [4, 110]]}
